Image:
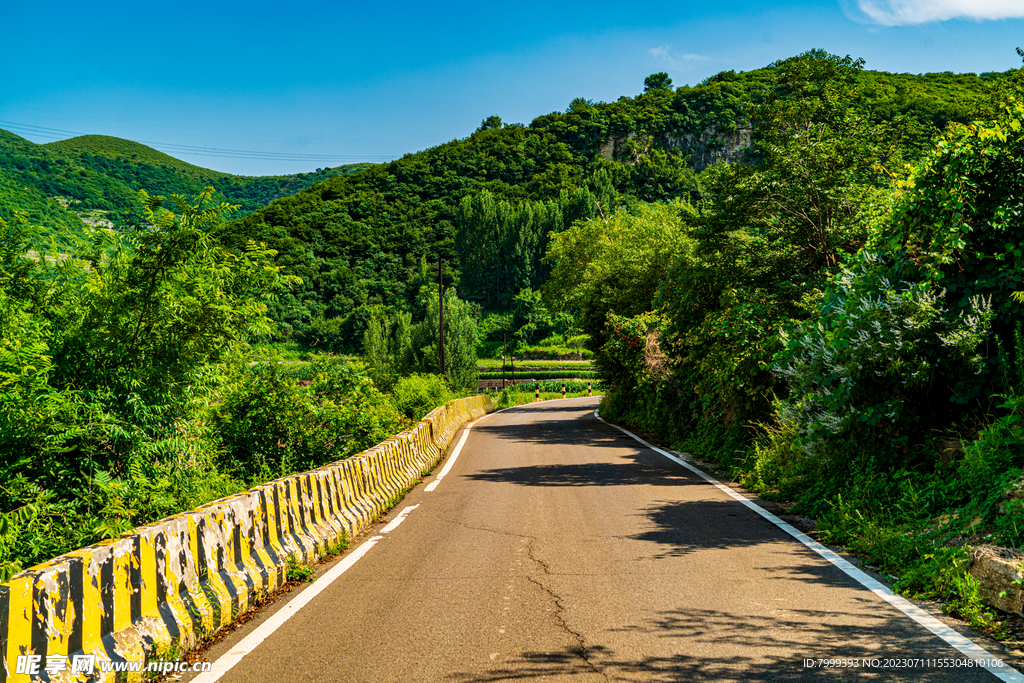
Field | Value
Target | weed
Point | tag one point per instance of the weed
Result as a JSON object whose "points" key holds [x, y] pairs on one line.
{"points": [[900, 545], [169, 651], [337, 546], [296, 570]]}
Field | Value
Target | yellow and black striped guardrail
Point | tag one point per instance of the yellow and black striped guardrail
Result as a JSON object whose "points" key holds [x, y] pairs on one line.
{"points": [[178, 580]]}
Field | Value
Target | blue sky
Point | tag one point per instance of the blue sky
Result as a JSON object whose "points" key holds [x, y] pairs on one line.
{"points": [[280, 88]]}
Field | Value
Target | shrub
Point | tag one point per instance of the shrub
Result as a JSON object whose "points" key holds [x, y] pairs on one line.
{"points": [[387, 346], [416, 395], [270, 426]]}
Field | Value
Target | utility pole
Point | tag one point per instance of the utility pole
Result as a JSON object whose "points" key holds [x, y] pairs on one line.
{"points": [[440, 309], [504, 351]]}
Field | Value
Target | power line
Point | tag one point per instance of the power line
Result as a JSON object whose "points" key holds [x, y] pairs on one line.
{"points": [[58, 134], [203, 133]]}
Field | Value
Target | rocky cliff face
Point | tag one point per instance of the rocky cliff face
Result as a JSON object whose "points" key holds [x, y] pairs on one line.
{"points": [[712, 145], [704, 149]]}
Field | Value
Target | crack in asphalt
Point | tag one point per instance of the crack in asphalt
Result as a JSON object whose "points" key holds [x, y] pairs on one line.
{"points": [[581, 651], [489, 530]]}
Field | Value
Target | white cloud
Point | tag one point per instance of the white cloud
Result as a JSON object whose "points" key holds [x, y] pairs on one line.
{"points": [[676, 62], [904, 12]]}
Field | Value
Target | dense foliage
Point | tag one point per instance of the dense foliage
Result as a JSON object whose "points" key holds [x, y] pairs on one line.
{"points": [[416, 394], [394, 347], [807, 309], [838, 328], [271, 426], [126, 392], [488, 204]]}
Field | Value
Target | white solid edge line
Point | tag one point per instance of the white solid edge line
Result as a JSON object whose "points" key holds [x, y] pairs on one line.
{"points": [[961, 643], [227, 661], [264, 630], [451, 461], [393, 524], [458, 449]]}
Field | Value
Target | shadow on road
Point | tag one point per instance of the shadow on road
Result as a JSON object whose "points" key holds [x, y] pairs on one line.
{"points": [[682, 527], [574, 426], [766, 642], [755, 648], [588, 474]]}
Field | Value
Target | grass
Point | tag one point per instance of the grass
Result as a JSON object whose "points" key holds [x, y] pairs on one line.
{"points": [[336, 547], [554, 386], [549, 376], [291, 351], [919, 554], [162, 652]]}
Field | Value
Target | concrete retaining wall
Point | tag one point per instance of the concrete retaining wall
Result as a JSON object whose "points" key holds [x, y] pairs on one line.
{"points": [[180, 579]]}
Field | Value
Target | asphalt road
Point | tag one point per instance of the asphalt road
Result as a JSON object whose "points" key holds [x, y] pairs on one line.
{"points": [[558, 548]]}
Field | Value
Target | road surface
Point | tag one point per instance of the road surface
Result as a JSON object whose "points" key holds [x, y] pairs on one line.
{"points": [[559, 548]]}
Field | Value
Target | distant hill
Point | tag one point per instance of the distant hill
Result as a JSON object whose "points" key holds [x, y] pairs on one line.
{"points": [[119, 147], [95, 179]]}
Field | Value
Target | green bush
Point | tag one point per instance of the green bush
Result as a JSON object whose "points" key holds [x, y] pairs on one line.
{"points": [[270, 426], [909, 339], [572, 386], [108, 359], [526, 352], [416, 395], [387, 346]]}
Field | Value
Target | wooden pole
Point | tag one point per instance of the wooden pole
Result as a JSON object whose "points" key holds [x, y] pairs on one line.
{"points": [[440, 310]]}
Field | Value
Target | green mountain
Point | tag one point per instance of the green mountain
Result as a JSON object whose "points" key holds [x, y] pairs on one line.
{"points": [[96, 179], [488, 202]]}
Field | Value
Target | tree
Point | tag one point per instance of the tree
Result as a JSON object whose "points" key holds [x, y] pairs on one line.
{"points": [[501, 244], [819, 174], [491, 122], [658, 81], [459, 341], [387, 346], [160, 302], [109, 354], [615, 264], [920, 331]]}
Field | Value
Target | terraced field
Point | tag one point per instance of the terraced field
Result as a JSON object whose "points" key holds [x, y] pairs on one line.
{"points": [[546, 375]]}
